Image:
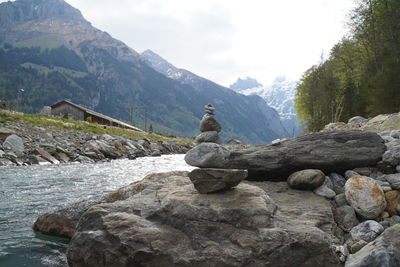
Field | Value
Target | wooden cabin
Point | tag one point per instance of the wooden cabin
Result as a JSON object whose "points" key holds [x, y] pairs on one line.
{"points": [[67, 108]]}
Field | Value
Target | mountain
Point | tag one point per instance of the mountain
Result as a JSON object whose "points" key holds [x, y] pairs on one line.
{"points": [[265, 117], [279, 95], [243, 84], [50, 51]]}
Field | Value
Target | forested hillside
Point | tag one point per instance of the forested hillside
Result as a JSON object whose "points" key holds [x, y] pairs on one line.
{"points": [[361, 74], [31, 78], [49, 53]]}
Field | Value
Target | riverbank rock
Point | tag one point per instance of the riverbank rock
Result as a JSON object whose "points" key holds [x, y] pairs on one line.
{"points": [[334, 151], [63, 145], [46, 155], [338, 182], [163, 221], [365, 196], [394, 180], [306, 179], [15, 144], [382, 252], [214, 180], [324, 191], [62, 222], [4, 133], [393, 202], [345, 217], [392, 156], [367, 231]]}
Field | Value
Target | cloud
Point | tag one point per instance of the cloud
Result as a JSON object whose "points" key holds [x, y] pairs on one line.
{"points": [[197, 38], [224, 39]]}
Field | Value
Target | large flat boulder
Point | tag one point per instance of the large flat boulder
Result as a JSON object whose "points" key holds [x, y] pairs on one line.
{"points": [[163, 221], [333, 151]]}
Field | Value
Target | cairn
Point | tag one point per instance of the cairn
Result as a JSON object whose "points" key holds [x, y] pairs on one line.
{"points": [[209, 127], [209, 180]]}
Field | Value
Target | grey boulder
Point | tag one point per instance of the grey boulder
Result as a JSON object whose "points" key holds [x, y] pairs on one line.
{"points": [[341, 200], [357, 121], [367, 231], [365, 196], [163, 221], [15, 144], [213, 180], [357, 246], [103, 147], [394, 180], [306, 179], [62, 222], [326, 151], [206, 153], [325, 190], [5, 132], [208, 123], [384, 251], [46, 155], [350, 173], [392, 156], [208, 137], [345, 217], [338, 182]]}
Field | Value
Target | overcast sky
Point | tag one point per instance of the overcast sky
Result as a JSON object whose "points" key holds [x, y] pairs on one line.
{"points": [[226, 39]]}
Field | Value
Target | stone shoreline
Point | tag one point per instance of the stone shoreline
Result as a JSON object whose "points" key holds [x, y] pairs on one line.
{"points": [[337, 203], [25, 144]]}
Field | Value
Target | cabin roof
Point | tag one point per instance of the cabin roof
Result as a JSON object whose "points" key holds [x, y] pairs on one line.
{"points": [[94, 113]]}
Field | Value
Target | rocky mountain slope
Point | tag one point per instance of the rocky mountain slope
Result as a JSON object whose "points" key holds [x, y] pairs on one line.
{"points": [[48, 49], [270, 116], [279, 95]]}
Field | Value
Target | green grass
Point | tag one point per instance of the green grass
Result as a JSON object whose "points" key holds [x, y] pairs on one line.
{"points": [[69, 124], [48, 41], [45, 70]]}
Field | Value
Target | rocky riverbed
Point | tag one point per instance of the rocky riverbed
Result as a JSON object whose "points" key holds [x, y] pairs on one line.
{"points": [[324, 199], [24, 144]]}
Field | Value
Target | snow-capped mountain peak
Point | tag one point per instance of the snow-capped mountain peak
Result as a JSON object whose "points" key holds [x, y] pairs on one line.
{"points": [[280, 96]]}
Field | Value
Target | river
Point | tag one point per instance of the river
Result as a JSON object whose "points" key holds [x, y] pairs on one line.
{"points": [[26, 192]]}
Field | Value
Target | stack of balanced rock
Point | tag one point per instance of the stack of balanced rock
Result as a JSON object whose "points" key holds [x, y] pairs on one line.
{"points": [[209, 127], [208, 180]]}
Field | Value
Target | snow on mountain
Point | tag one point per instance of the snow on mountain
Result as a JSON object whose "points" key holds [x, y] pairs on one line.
{"points": [[163, 66], [280, 96], [268, 119]]}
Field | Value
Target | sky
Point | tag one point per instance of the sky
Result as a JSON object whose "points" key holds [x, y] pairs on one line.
{"points": [[222, 40]]}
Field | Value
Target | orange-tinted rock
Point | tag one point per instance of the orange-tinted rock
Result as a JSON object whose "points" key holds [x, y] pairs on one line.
{"points": [[393, 200], [365, 196]]}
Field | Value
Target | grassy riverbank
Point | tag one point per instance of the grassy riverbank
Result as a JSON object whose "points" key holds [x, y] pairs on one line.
{"points": [[81, 126]]}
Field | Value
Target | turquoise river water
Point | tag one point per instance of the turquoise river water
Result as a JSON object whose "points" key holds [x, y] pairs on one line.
{"points": [[26, 192]]}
